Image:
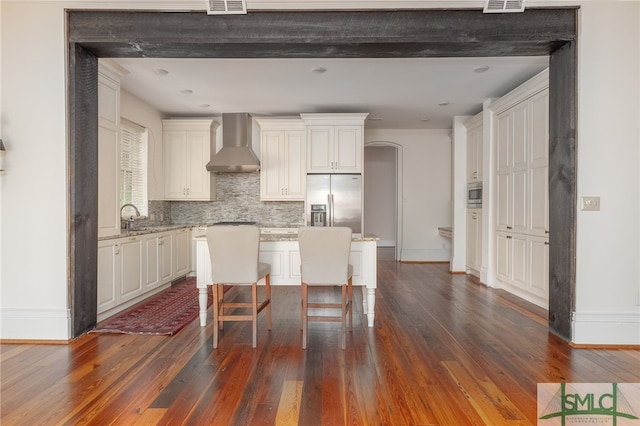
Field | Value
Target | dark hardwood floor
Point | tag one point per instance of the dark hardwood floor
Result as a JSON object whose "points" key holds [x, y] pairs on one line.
{"points": [[444, 351]]}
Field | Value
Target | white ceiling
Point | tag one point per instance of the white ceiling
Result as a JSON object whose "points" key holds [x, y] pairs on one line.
{"points": [[400, 92]]}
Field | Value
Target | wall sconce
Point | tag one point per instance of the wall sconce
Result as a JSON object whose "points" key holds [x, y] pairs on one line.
{"points": [[2, 152]]}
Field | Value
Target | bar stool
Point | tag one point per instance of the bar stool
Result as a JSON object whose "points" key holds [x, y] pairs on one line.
{"points": [[324, 261], [234, 251]]}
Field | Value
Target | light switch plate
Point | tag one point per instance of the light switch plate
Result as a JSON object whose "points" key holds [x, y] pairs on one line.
{"points": [[590, 204]]}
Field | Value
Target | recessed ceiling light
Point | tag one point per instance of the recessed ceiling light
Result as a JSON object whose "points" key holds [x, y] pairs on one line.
{"points": [[443, 103], [318, 70], [481, 69], [186, 91], [424, 120], [204, 105], [160, 71], [374, 119]]}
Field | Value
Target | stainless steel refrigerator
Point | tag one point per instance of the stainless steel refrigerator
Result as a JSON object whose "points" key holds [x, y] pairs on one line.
{"points": [[334, 200]]}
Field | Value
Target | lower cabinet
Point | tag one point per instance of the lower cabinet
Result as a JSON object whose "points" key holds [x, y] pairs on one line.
{"points": [[182, 250], [474, 242], [120, 266], [522, 265], [284, 258], [132, 268]]}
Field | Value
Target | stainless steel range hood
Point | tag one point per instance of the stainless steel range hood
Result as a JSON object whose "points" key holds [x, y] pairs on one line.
{"points": [[236, 154]]}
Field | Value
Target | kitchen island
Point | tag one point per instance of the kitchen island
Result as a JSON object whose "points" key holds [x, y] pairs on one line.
{"points": [[279, 248]]}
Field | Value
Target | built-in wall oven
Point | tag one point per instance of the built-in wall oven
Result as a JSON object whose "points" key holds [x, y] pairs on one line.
{"points": [[474, 195]]}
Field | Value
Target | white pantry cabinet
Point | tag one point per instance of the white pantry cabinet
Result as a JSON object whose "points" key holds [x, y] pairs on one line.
{"points": [[186, 149], [283, 159], [335, 142], [522, 195], [108, 152]]}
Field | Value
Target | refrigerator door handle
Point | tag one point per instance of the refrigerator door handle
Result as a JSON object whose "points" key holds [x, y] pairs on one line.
{"points": [[330, 221]]}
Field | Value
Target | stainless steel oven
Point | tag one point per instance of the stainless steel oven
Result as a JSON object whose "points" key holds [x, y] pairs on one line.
{"points": [[474, 195]]}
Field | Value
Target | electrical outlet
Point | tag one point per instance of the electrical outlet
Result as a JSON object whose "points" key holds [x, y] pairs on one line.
{"points": [[161, 217], [152, 216], [591, 204], [209, 215]]}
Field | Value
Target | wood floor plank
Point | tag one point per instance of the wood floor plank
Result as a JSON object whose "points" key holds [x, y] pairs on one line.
{"points": [[290, 402], [444, 350]]}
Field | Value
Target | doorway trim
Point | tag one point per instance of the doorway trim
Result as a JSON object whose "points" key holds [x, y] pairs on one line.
{"points": [[320, 34]]}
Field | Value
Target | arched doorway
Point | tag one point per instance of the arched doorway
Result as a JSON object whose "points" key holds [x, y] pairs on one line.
{"points": [[383, 196]]}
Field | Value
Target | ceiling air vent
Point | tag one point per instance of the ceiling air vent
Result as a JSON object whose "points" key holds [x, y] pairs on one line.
{"points": [[226, 7], [503, 6]]}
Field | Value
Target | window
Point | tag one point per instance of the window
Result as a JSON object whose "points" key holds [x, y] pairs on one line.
{"points": [[133, 166]]}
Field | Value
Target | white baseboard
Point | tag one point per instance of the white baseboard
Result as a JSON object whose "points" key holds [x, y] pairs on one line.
{"points": [[409, 255], [35, 324], [606, 328]]}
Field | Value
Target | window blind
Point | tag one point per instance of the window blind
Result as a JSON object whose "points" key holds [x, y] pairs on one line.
{"points": [[133, 166]]}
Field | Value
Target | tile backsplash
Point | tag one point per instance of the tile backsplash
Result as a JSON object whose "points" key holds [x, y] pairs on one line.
{"points": [[238, 199]]}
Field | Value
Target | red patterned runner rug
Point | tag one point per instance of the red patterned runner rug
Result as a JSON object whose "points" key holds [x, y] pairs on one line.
{"points": [[163, 314]]}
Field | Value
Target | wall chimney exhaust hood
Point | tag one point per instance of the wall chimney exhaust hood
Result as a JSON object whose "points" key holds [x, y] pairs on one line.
{"points": [[236, 155]]}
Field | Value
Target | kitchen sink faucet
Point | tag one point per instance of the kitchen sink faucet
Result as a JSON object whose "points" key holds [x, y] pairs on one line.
{"points": [[128, 222]]}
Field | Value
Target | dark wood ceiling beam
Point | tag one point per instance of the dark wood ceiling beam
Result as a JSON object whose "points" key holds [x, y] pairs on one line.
{"points": [[424, 33]]}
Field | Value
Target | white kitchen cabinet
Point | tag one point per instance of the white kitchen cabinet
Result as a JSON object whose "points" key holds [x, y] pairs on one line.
{"points": [[151, 271], [186, 150], [522, 141], [130, 269], [120, 266], [335, 142], [474, 241], [474, 148], [166, 255], [181, 252], [283, 159], [539, 165], [158, 252], [108, 152], [522, 196], [108, 274], [131, 266]]}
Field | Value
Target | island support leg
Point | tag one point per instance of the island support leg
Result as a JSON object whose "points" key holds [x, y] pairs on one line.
{"points": [[202, 302]]}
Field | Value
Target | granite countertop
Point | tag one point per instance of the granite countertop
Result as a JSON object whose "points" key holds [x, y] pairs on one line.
{"points": [[268, 233]]}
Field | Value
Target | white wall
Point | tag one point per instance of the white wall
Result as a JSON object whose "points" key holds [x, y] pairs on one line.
{"points": [[34, 185], [426, 182], [608, 241], [33, 267]]}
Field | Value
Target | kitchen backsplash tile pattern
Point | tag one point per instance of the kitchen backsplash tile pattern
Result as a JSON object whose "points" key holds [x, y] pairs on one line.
{"points": [[238, 200]]}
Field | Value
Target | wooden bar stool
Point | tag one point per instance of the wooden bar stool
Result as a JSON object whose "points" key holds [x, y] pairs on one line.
{"points": [[324, 261], [234, 251]]}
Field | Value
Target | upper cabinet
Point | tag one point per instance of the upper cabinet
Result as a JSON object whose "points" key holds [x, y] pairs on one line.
{"points": [[335, 142], [108, 151], [283, 159], [474, 148], [187, 150]]}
